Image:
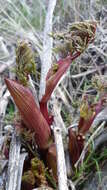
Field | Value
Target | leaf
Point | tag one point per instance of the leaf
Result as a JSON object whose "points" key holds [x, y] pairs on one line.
{"points": [[53, 79], [73, 146], [30, 113]]}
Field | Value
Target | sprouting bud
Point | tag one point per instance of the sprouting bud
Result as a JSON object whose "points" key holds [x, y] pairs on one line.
{"points": [[75, 38], [30, 113], [85, 109], [88, 27], [55, 68], [38, 169], [25, 63]]}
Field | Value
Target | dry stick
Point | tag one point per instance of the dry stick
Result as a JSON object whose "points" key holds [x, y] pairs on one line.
{"points": [[61, 94], [2, 140], [13, 166], [71, 184], [2, 89], [5, 65], [3, 47], [3, 106], [43, 188], [3, 103], [100, 50], [61, 166], [67, 93], [32, 87], [101, 139], [102, 116], [57, 116], [88, 142], [58, 119], [20, 170], [46, 57], [80, 84], [88, 72]]}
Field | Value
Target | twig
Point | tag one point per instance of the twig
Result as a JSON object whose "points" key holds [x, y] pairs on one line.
{"points": [[67, 93], [102, 116], [88, 72], [33, 89], [99, 50], [3, 47], [102, 138], [3, 103], [61, 94], [47, 47], [61, 166], [5, 65], [2, 89], [88, 142], [57, 116], [2, 140], [71, 184], [20, 170], [13, 166], [43, 188]]}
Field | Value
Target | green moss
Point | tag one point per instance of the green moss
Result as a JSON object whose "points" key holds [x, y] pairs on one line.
{"points": [[29, 177], [38, 169]]}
